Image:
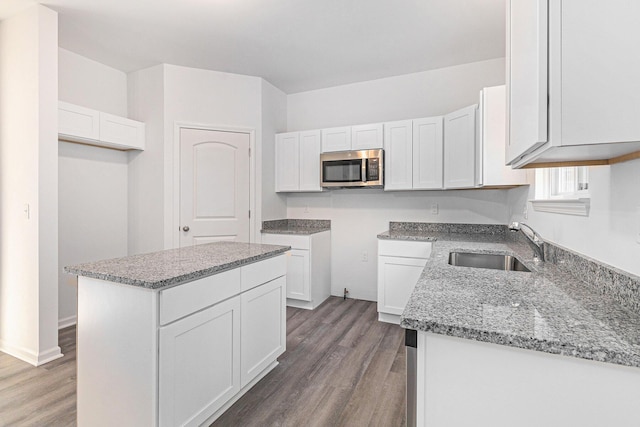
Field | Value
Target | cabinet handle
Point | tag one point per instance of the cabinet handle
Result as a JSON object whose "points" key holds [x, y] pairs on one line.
{"points": [[185, 228]]}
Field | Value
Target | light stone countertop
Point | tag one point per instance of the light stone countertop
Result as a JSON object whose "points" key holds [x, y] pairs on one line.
{"points": [[548, 310], [159, 270], [302, 227]]}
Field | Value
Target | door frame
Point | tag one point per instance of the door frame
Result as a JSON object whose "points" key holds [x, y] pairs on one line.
{"points": [[173, 211]]}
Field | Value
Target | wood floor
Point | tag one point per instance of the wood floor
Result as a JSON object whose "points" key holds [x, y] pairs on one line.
{"points": [[42, 396], [342, 368]]}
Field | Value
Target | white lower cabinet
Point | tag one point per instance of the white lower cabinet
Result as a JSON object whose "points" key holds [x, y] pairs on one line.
{"points": [[308, 267], [263, 324], [400, 264], [200, 364]]}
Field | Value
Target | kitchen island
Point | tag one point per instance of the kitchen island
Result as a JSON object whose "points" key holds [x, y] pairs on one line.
{"points": [[175, 337], [559, 345]]}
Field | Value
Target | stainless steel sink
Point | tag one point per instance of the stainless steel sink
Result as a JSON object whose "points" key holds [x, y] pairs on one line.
{"points": [[492, 261]]}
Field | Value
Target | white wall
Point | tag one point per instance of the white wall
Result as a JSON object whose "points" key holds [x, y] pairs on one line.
{"points": [[274, 120], [92, 203], [357, 216], [609, 233], [424, 94], [29, 176], [164, 96]]}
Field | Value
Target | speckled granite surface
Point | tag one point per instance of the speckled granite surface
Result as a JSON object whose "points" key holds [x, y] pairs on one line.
{"points": [[163, 269], [296, 226], [549, 309]]}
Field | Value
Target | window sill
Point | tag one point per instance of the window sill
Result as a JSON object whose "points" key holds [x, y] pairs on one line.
{"points": [[579, 207]]}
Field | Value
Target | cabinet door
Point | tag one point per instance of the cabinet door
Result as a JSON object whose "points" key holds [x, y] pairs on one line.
{"points": [[460, 148], [199, 364], [336, 139], [121, 131], [398, 153], [287, 161], [366, 137], [396, 279], [527, 82], [298, 279], [310, 161], [427, 153], [263, 317], [78, 122]]}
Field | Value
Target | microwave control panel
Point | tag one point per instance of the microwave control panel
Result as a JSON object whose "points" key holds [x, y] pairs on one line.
{"points": [[373, 169]]}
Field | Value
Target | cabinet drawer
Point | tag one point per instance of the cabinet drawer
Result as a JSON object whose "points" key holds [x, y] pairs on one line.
{"points": [[404, 248], [295, 241], [261, 272], [185, 299]]}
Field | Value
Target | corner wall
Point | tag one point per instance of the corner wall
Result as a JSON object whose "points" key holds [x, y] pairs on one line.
{"points": [[29, 185]]}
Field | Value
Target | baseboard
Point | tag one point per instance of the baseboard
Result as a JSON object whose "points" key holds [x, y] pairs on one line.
{"points": [[389, 318], [29, 356], [67, 321]]}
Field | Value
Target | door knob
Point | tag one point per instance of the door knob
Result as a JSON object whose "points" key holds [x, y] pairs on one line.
{"points": [[185, 228]]}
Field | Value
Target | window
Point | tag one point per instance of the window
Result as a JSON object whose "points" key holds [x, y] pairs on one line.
{"points": [[562, 190]]}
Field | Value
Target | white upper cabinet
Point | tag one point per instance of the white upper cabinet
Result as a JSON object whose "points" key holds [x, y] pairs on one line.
{"points": [[427, 153], [87, 126], [366, 137], [460, 161], [572, 61], [491, 118], [298, 161], [398, 155], [336, 139]]}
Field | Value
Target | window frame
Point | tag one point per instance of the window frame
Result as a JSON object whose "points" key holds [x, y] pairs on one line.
{"points": [[551, 193]]}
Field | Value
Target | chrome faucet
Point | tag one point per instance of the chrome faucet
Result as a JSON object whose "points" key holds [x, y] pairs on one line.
{"points": [[535, 241]]}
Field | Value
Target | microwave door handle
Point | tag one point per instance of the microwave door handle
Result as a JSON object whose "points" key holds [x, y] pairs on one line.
{"points": [[364, 170]]}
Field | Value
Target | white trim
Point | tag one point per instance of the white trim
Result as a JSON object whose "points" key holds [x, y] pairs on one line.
{"points": [[578, 207], [29, 356], [174, 212], [67, 321]]}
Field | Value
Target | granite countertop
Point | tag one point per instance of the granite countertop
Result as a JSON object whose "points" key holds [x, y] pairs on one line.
{"points": [[551, 309], [159, 270], [296, 226]]}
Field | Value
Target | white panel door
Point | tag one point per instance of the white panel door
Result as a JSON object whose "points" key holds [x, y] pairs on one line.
{"points": [[199, 364], [298, 279], [214, 186], [263, 325], [527, 75], [336, 139], [460, 148], [287, 161], [427, 153], [367, 137], [396, 279], [310, 161], [398, 154]]}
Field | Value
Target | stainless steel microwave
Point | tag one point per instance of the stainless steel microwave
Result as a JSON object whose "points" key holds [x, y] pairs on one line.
{"points": [[352, 169]]}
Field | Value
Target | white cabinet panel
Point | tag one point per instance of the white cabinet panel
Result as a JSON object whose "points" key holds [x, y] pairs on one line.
{"points": [[76, 121], [87, 126], [255, 274], [263, 327], [121, 131], [336, 139], [396, 279], [526, 75], [398, 152], [199, 364], [287, 162], [427, 153], [309, 163], [298, 275], [367, 137], [460, 148]]}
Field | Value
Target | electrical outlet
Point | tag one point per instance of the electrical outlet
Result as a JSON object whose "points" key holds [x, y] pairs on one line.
{"points": [[365, 256], [434, 209], [306, 209], [638, 224]]}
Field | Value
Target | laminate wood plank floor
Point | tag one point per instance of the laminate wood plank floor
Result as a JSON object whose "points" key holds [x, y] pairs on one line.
{"points": [[40, 396], [342, 368]]}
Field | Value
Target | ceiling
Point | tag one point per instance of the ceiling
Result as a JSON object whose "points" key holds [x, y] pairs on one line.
{"points": [[297, 45]]}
